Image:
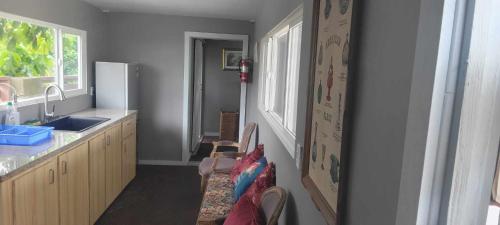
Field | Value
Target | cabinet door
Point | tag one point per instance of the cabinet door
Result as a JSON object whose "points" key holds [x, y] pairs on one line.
{"points": [[129, 159], [97, 177], [35, 196], [113, 163], [74, 186]]}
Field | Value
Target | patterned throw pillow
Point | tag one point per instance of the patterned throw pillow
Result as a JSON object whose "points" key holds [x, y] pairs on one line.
{"points": [[244, 213], [265, 180], [247, 177], [246, 161]]}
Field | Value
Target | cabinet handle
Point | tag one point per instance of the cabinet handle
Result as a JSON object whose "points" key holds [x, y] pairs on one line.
{"points": [[51, 176], [108, 140], [64, 167]]}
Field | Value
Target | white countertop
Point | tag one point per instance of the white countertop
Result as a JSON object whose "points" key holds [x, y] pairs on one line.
{"points": [[15, 159]]}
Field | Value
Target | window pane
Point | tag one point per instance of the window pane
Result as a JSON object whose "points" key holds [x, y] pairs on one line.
{"points": [[293, 77], [268, 74], [281, 52], [71, 61], [27, 58]]}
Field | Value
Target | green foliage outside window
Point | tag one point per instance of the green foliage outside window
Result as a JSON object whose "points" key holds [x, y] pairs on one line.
{"points": [[26, 50], [70, 54]]}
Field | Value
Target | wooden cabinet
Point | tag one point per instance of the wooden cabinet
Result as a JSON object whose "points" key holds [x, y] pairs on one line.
{"points": [[129, 157], [113, 163], [35, 196], [74, 186], [97, 176], [129, 126]]}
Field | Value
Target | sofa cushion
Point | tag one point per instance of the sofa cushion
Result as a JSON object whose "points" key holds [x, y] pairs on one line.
{"points": [[245, 213], [265, 180], [246, 161], [222, 165], [247, 177], [217, 200]]}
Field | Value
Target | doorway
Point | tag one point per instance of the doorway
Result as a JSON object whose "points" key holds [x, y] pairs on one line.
{"points": [[209, 88], [215, 90]]}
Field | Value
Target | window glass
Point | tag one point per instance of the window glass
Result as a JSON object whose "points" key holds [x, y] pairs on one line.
{"points": [[71, 61], [293, 77], [279, 80], [27, 58], [280, 75], [35, 54]]}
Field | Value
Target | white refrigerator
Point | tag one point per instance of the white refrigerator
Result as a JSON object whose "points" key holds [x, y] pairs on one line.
{"points": [[117, 85]]}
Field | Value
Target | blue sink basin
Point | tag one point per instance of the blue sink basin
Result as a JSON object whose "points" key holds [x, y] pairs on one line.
{"points": [[75, 123]]}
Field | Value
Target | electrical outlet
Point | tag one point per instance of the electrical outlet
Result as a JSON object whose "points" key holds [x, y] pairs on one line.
{"points": [[298, 156]]}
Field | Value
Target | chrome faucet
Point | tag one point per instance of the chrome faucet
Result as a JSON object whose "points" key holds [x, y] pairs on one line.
{"points": [[62, 97], [14, 91]]}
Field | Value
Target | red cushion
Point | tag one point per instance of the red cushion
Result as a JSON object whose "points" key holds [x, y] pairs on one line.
{"points": [[246, 161], [265, 180], [244, 213]]}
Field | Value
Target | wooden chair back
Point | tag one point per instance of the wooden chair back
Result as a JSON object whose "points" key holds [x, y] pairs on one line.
{"points": [[247, 135], [272, 203]]}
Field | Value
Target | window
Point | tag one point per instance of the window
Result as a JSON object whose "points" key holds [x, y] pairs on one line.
{"points": [[279, 72], [35, 54]]}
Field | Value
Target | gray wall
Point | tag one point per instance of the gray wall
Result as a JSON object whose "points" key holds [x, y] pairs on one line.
{"points": [[157, 42], [71, 13], [222, 88], [383, 84], [299, 209]]}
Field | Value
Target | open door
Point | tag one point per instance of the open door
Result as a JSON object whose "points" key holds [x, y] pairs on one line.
{"points": [[197, 94]]}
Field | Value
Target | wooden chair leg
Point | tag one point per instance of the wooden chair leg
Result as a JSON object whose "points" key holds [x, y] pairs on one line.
{"points": [[204, 181]]}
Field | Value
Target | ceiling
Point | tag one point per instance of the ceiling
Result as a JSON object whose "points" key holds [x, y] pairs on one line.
{"points": [[224, 9]]}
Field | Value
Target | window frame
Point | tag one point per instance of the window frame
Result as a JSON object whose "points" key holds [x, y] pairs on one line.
{"points": [[266, 70], [59, 76]]}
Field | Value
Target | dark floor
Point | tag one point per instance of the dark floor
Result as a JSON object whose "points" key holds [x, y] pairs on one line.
{"points": [[166, 195], [204, 150]]}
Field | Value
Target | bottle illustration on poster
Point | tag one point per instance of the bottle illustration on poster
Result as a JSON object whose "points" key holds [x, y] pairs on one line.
{"points": [[334, 169], [343, 6], [345, 51], [323, 152], [320, 54], [328, 8], [314, 147], [338, 126], [329, 82], [320, 92]]}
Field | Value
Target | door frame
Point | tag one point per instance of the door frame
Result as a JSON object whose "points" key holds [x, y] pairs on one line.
{"points": [[188, 81], [196, 126]]}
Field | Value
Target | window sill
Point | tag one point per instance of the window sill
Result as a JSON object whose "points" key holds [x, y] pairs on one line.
{"points": [[38, 100], [283, 134]]}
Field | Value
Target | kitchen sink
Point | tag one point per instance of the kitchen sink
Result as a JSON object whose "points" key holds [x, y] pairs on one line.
{"points": [[75, 123]]}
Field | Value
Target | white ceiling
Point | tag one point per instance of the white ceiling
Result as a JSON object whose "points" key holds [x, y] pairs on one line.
{"points": [[225, 9]]}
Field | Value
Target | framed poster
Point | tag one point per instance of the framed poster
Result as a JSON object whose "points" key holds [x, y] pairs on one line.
{"points": [[231, 59], [326, 149]]}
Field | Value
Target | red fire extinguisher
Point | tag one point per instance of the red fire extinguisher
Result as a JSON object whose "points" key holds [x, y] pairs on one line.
{"points": [[244, 70]]}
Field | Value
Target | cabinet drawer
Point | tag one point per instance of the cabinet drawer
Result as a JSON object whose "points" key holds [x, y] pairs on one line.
{"points": [[129, 126]]}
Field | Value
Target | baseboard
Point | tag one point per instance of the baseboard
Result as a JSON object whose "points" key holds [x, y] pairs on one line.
{"points": [[211, 134], [164, 163]]}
